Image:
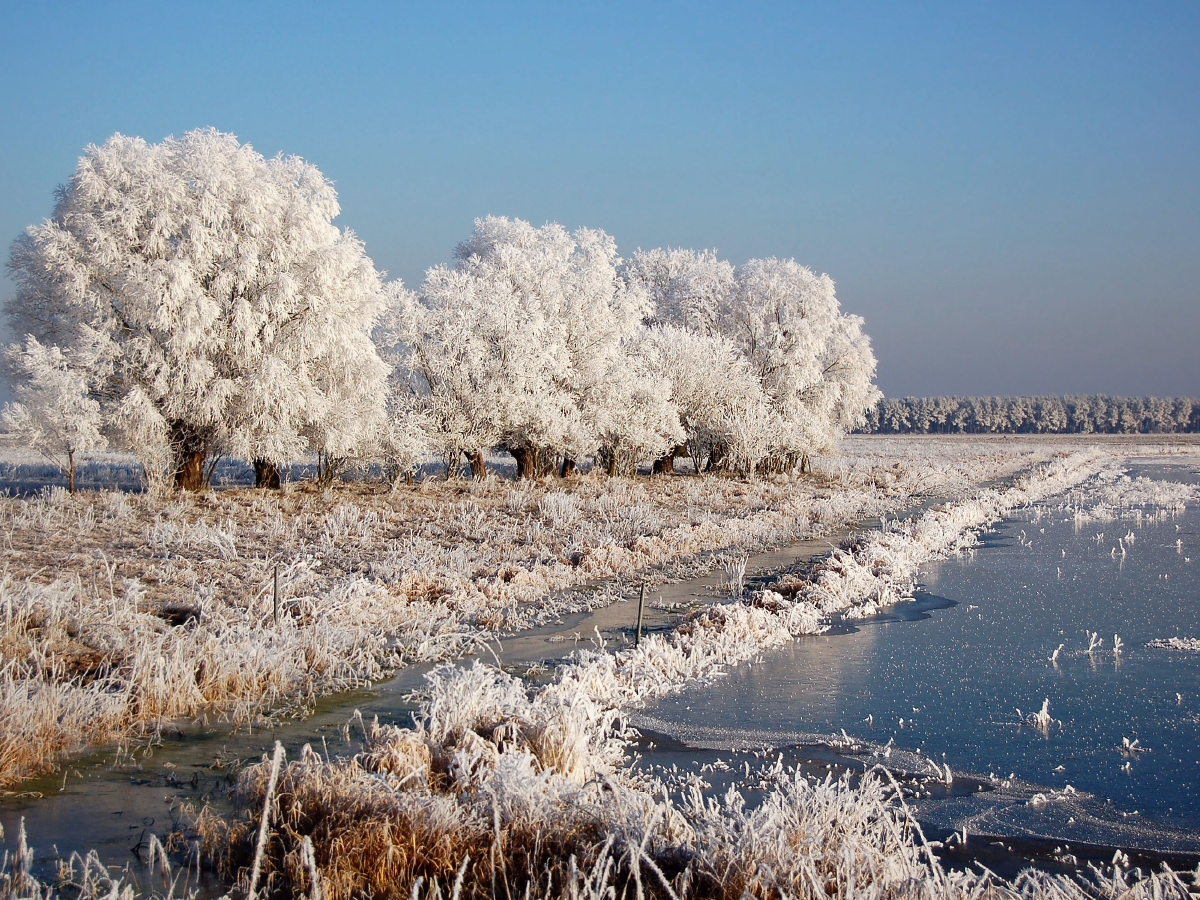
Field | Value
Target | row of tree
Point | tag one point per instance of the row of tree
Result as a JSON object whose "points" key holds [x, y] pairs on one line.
{"points": [[191, 299], [1033, 415]]}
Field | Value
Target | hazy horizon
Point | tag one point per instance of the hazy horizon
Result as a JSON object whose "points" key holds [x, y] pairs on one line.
{"points": [[1010, 197]]}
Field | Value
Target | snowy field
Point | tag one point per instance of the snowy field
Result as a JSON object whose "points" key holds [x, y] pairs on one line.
{"points": [[125, 611]]}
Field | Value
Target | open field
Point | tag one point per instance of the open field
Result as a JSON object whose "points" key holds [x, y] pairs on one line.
{"points": [[123, 611]]}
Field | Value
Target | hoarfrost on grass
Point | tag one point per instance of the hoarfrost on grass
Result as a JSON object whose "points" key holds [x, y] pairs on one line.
{"points": [[1185, 645], [124, 610]]}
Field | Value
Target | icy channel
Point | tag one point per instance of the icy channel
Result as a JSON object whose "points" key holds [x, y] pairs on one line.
{"points": [[957, 678]]}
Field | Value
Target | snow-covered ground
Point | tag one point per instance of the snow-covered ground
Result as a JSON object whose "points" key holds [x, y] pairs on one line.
{"points": [[122, 610]]}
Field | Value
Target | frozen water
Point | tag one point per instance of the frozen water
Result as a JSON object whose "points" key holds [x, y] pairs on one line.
{"points": [[965, 670]]}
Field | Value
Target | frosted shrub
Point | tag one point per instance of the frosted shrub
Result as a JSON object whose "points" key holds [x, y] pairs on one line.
{"points": [[54, 496], [640, 518], [471, 518], [511, 783]]}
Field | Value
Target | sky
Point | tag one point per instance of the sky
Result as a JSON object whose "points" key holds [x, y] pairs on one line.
{"points": [[1008, 193]]}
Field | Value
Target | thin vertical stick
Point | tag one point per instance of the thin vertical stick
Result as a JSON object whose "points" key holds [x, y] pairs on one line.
{"points": [[275, 598], [266, 819], [641, 606], [308, 857]]}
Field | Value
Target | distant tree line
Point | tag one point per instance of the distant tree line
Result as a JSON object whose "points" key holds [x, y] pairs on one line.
{"points": [[1033, 415]]}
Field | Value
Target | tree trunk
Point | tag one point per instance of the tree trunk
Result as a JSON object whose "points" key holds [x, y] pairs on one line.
{"points": [[328, 467], [665, 465], [266, 475], [71, 471], [526, 458], [715, 458], [568, 467], [189, 448], [189, 470], [478, 468]]}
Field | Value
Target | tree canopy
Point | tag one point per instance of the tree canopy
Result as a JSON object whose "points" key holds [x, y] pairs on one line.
{"points": [[206, 301], [192, 298]]}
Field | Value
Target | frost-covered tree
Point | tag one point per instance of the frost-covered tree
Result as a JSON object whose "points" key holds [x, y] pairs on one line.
{"points": [[814, 362], [442, 372], [420, 419], [523, 344], [634, 416], [51, 411], [717, 396], [813, 365], [1014, 415], [690, 289], [214, 301]]}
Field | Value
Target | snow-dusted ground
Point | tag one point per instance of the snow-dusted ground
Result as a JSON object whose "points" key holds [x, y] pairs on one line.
{"points": [[122, 610]]}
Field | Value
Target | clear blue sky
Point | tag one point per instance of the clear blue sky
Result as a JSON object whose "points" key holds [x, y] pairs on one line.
{"points": [[1009, 193]]}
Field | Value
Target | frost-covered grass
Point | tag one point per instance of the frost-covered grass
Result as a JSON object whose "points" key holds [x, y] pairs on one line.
{"points": [[86, 877], [122, 610], [498, 785], [499, 793]]}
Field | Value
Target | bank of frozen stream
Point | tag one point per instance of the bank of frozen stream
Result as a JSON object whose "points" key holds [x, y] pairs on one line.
{"points": [[775, 700], [957, 677]]}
